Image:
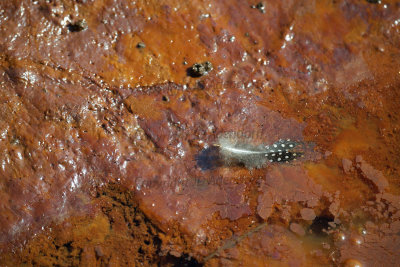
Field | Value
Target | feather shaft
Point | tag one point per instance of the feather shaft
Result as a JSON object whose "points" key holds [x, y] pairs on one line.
{"points": [[239, 150]]}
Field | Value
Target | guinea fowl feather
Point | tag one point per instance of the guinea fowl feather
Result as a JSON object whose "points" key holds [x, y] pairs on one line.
{"points": [[237, 150]]}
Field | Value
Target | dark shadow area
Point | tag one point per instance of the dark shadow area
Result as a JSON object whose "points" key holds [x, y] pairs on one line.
{"points": [[182, 261], [77, 26], [321, 224], [209, 158]]}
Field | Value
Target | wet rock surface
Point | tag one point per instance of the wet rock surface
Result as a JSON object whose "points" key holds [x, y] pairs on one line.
{"points": [[101, 140]]}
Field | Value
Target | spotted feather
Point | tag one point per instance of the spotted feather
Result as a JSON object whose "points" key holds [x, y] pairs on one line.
{"points": [[235, 150]]}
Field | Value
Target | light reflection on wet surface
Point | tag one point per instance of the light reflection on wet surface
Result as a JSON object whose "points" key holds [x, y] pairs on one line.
{"points": [[318, 72]]}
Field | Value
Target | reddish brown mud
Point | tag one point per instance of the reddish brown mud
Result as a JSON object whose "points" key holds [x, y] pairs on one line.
{"points": [[102, 125]]}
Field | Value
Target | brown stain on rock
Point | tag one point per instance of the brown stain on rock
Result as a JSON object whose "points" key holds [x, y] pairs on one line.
{"points": [[84, 109]]}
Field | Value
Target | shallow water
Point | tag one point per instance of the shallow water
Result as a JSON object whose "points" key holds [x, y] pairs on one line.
{"points": [[85, 109]]}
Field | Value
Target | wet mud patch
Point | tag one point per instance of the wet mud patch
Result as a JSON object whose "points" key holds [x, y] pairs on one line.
{"points": [[183, 131], [89, 107], [118, 233]]}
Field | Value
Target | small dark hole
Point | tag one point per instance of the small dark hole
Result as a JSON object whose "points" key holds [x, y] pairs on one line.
{"points": [[141, 251], [185, 261], [69, 246], [78, 26], [321, 224], [201, 85]]}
